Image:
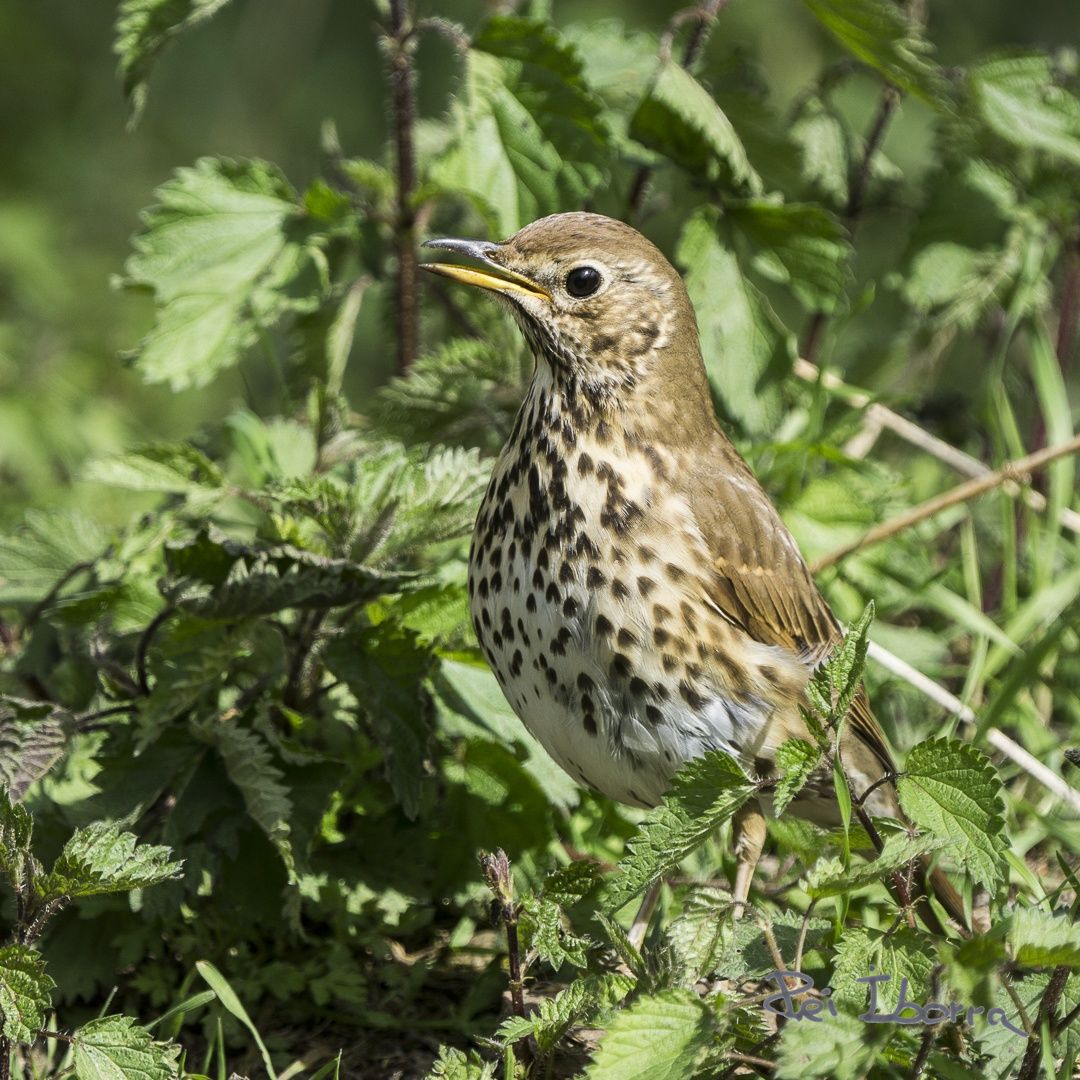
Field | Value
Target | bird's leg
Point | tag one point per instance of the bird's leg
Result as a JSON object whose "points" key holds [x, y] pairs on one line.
{"points": [[749, 829], [640, 926]]}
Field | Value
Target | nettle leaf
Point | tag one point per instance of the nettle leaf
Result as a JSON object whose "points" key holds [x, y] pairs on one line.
{"points": [[679, 119], [173, 468], [902, 954], [953, 792], [704, 938], [881, 34], [829, 877], [543, 929], [143, 29], [747, 349], [1020, 100], [251, 767], [117, 1048], [101, 859], [527, 139], [840, 1048], [819, 132], [1039, 939], [16, 830], [703, 795], [45, 547], [955, 284], [385, 667], [836, 682], [33, 737], [799, 245], [658, 1038], [456, 1065], [220, 251], [582, 1000], [796, 759], [25, 992], [570, 883]]}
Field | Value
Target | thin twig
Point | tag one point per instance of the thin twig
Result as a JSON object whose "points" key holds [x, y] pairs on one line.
{"points": [[910, 432], [801, 945], [705, 18], [143, 647], [1029, 1067], [1070, 308], [887, 103], [81, 722], [403, 101], [996, 738], [1012, 471], [36, 611]]}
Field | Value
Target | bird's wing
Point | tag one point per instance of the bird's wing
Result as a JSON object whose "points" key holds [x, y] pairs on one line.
{"points": [[760, 581]]}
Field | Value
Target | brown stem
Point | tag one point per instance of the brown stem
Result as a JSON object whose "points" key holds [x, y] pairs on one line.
{"points": [[143, 647], [927, 1043], [1012, 471], [1070, 308], [1029, 1067], [403, 102], [887, 103], [5, 1054], [704, 19]]}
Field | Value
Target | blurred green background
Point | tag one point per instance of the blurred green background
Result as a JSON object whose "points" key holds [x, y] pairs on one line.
{"points": [[260, 80]]}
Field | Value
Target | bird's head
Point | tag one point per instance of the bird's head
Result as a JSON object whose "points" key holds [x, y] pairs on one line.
{"points": [[597, 301]]}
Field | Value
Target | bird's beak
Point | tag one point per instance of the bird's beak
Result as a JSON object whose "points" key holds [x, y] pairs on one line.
{"points": [[488, 276]]}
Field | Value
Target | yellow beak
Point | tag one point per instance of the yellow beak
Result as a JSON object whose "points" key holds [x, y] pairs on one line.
{"points": [[489, 276]]}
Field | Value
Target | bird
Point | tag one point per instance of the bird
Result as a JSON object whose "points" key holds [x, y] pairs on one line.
{"points": [[634, 589]]}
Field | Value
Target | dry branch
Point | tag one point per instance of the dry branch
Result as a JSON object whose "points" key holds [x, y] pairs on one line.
{"points": [[1014, 471]]}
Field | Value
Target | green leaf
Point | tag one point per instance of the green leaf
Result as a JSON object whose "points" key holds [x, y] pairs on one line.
{"points": [[902, 954], [820, 133], [577, 1004], [33, 737], [16, 830], [657, 1038], [527, 139], [543, 929], [25, 992], [220, 252], [44, 548], [227, 996], [796, 759], [251, 767], [101, 859], [167, 467], [1020, 100], [747, 350], [950, 789], [839, 1048], [955, 284], [455, 1065], [143, 29], [1039, 939], [799, 245], [385, 669], [829, 877], [117, 1048], [881, 34], [703, 795], [680, 119]]}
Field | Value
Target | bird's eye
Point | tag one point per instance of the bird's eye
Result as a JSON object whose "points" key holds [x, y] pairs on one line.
{"points": [[583, 281]]}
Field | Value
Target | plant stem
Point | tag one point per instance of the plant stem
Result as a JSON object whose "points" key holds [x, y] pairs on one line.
{"points": [[705, 18], [403, 103], [1013, 471], [1029, 1067], [887, 103]]}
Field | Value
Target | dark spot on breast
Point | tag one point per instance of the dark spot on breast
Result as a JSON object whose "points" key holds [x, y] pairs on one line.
{"points": [[552, 594], [653, 714], [486, 617], [620, 665], [590, 723], [691, 696], [626, 637], [619, 590], [660, 635], [594, 578], [645, 585], [530, 602], [570, 606], [639, 687], [660, 613], [674, 571], [670, 663], [484, 588], [769, 674], [585, 464], [603, 625], [566, 573]]}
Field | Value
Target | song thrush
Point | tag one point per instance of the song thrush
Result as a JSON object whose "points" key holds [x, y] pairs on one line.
{"points": [[635, 591]]}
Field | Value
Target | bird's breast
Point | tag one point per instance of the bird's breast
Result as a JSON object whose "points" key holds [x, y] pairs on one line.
{"points": [[587, 586]]}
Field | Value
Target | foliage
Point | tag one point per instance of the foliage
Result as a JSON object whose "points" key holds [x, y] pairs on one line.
{"points": [[244, 721]]}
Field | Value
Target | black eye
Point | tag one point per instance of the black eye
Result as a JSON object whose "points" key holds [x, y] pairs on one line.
{"points": [[583, 281]]}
